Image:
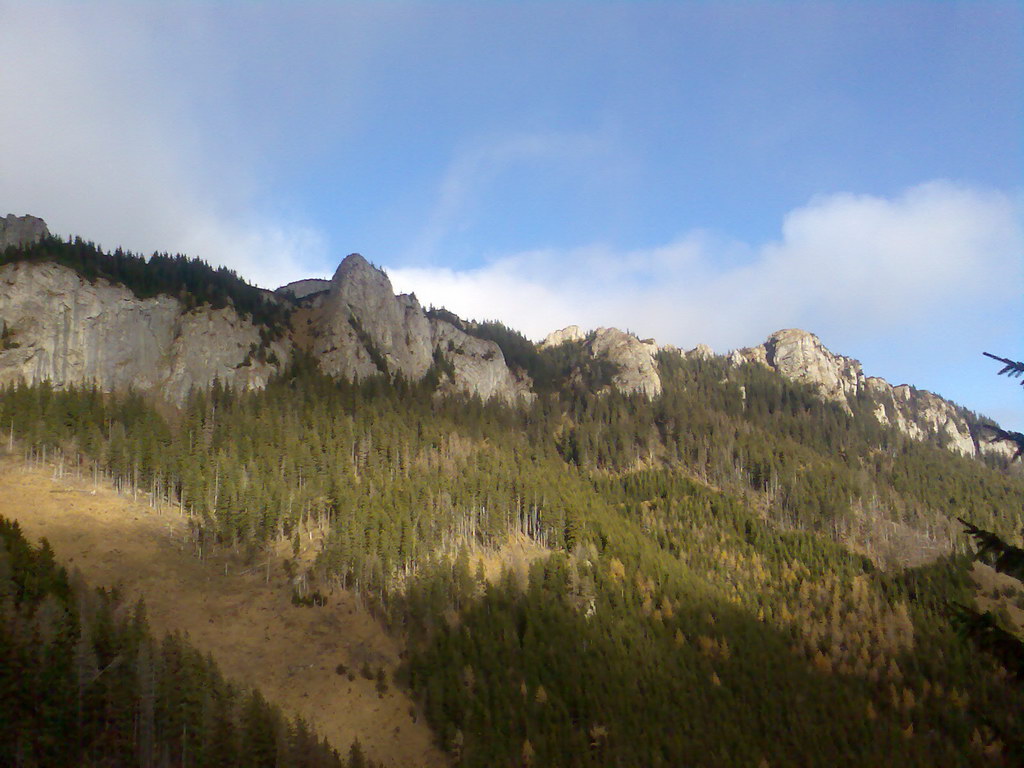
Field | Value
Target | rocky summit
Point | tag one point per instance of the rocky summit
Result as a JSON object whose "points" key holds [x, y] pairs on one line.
{"points": [[60, 326], [635, 361], [800, 356], [358, 327], [21, 230]]}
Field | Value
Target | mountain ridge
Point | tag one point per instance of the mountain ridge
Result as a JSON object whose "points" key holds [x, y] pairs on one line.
{"points": [[58, 327], [736, 571]]}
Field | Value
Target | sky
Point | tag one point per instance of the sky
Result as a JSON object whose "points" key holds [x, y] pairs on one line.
{"points": [[694, 172]]}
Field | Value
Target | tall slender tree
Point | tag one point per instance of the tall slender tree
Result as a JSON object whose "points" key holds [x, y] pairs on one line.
{"points": [[984, 627]]}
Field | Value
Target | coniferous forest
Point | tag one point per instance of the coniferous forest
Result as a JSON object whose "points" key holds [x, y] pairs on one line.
{"points": [[84, 683], [735, 573]]}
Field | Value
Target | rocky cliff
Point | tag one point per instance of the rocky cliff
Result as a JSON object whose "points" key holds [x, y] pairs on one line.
{"points": [[58, 327], [359, 328], [21, 230], [301, 289], [635, 361], [800, 356]]}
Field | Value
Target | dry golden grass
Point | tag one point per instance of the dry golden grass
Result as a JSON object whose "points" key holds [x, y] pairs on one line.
{"points": [[515, 556], [989, 581], [244, 620]]}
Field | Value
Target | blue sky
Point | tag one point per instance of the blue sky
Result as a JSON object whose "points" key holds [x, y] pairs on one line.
{"points": [[696, 172]]}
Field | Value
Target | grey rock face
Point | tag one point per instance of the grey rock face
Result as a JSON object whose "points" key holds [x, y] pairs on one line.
{"points": [[800, 356], [215, 344], [638, 367], [556, 338], [478, 364], [635, 360], [21, 230], [361, 328], [66, 330], [361, 319], [300, 289], [700, 352]]}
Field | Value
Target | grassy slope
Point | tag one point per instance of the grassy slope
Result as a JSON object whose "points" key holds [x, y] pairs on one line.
{"points": [[250, 627]]}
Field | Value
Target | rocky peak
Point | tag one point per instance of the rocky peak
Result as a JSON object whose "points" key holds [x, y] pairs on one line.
{"points": [[800, 356], [360, 328], [557, 338], [355, 268], [700, 352], [635, 360], [21, 230], [301, 289]]}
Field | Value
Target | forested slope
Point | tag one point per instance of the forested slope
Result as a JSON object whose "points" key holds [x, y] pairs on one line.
{"points": [[701, 604], [84, 683], [192, 280]]}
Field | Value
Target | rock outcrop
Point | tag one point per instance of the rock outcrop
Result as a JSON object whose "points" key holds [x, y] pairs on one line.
{"points": [[360, 328], [557, 338], [919, 414], [61, 328], [21, 230], [477, 365], [301, 289], [635, 360], [800, 356], [700, 352], [363, 329]]}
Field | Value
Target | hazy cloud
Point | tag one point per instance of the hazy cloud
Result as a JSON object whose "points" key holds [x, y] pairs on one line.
{"points": [[102, 139], [934, 255]]}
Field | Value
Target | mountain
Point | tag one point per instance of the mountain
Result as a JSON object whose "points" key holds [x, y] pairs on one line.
{"points": [[800, 356], [64, 325], [359, 328], [587, 552]]}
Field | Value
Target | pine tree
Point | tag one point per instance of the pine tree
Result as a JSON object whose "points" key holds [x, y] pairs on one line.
{"points": [[984, 627]]}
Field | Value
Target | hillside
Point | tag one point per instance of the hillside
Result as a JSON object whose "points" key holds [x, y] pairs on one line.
{"points": [[71, 313], [85, 682], [241, 615], [752, 564]]}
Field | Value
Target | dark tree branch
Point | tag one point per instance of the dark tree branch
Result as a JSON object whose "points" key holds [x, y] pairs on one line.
{"points": [[992, 550], [1015, 439], [1011, 368]]}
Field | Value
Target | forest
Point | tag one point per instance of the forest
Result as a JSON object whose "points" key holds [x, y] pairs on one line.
{"points": [[190, 280], [736, 572], [84, 683]]}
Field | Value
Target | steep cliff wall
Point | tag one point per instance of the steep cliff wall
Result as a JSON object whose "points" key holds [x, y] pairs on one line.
{"points": [[57, 326], [634, 360], [21, 230], [61, 328], [800, 356], [360, 328], [478, 366]]}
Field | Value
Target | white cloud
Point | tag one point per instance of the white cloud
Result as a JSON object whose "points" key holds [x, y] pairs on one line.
{"points": [[100, 138], [936, 254]]}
